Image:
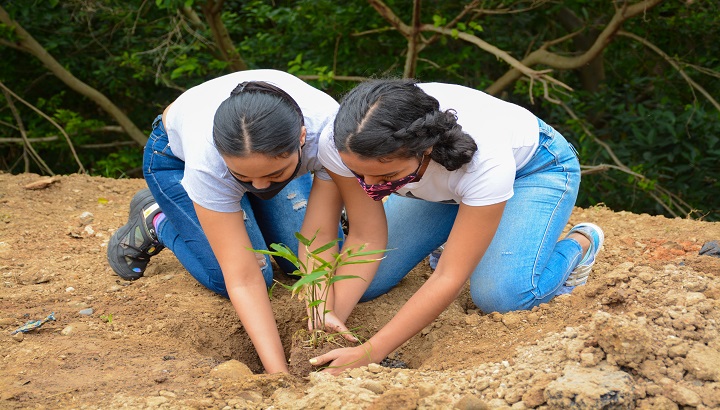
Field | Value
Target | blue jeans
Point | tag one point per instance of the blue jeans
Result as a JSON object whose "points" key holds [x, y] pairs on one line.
{"points": [[267, 221], [525, 264]]}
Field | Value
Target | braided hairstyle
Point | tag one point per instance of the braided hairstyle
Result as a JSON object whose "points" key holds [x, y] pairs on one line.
{"points": [[258, 117], [393, 118]]}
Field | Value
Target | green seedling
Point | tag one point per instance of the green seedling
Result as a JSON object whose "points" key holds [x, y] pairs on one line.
{"points": [[317, 274]]}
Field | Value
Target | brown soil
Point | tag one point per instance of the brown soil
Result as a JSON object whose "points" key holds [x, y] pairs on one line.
{"points": [[642, 333], [304, 347]]}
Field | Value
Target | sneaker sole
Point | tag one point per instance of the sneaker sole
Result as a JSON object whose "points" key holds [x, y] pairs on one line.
{"points": [[120, 266]]}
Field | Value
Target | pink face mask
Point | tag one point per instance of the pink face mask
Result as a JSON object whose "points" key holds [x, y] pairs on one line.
{"points": [[380, 191]]}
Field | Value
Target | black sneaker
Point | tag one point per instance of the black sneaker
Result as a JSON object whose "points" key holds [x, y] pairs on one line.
{"points": [[132, 245]]}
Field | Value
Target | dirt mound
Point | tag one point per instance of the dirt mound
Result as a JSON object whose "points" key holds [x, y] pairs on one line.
{"points": [[643, 333]]}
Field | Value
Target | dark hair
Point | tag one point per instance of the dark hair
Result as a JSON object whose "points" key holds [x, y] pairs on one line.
{"points": [[393, 118], [257, 118]]}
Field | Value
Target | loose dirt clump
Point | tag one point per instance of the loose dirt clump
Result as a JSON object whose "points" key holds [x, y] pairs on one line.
{"points": [[643, 333]]}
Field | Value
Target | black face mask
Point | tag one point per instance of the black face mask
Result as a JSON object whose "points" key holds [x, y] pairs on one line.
{"points": [[274, 188]]}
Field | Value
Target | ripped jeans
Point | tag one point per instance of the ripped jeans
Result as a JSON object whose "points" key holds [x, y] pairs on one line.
{"points": [[267, 221]]}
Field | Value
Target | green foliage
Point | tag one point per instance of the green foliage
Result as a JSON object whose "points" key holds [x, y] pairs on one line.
{"points": [[141, 55], [316, 274]]}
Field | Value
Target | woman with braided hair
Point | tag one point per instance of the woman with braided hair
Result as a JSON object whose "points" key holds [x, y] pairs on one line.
{"points": [[485, 177], [228, 166]]}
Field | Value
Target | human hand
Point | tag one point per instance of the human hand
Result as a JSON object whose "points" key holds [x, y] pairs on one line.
{"points": [[333, 324], [339, 360]]}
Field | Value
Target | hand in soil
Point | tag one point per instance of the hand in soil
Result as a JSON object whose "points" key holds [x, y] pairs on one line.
{"points": [[339, 360], [333, 324]]}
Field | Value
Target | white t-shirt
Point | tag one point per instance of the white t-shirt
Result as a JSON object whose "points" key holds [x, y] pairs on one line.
{"points": [[189, 125], [507, 137]]}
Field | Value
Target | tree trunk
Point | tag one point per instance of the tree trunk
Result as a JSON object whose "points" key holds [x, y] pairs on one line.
{"points": [[212, 10], [413, 40], [592, 74]]}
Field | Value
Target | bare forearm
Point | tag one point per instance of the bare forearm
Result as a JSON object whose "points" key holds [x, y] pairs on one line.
{"points": [[419, 311], [253, 307], [347, 292]]}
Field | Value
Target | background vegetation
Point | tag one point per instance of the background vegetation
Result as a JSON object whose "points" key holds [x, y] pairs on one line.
{"points": [[633, 84]]}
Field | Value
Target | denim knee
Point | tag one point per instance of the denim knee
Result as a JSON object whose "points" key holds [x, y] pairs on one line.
{"points": [[492, 296]]}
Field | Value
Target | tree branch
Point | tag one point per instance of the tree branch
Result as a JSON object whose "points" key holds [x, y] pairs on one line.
{"points": [[544, 57], [501, 54], [28, 44], [23, 140], [50, 120], [387, 13], [21, 127], [674, 64]]}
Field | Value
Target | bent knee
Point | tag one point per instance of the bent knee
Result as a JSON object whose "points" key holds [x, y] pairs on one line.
{"points": [[501, 300]]}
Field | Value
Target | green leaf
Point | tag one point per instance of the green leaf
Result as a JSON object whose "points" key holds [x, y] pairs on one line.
{"points": [[309, 279], [264, 252], [303, 240], [365, 253], [326, 246], [343, 277], [315, 303], [323, 262], [475, 26], [361, 261]]}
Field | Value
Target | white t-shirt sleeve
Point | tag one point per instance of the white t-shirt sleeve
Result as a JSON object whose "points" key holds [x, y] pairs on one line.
{"points": [[212, 191], [311, 150], [329, 155]]}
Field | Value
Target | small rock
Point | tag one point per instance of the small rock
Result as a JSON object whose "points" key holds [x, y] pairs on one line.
{"points": [[711, 248], [86, 218], [250, 396], [375, 368], [42, 183], [86, 312], [233, 370], [703, 362], [591, 389], [470, 402], [426, 389], [497, 404], [625, 342], [400, 399], [680, 394], [156, 401], [374, 386]]}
